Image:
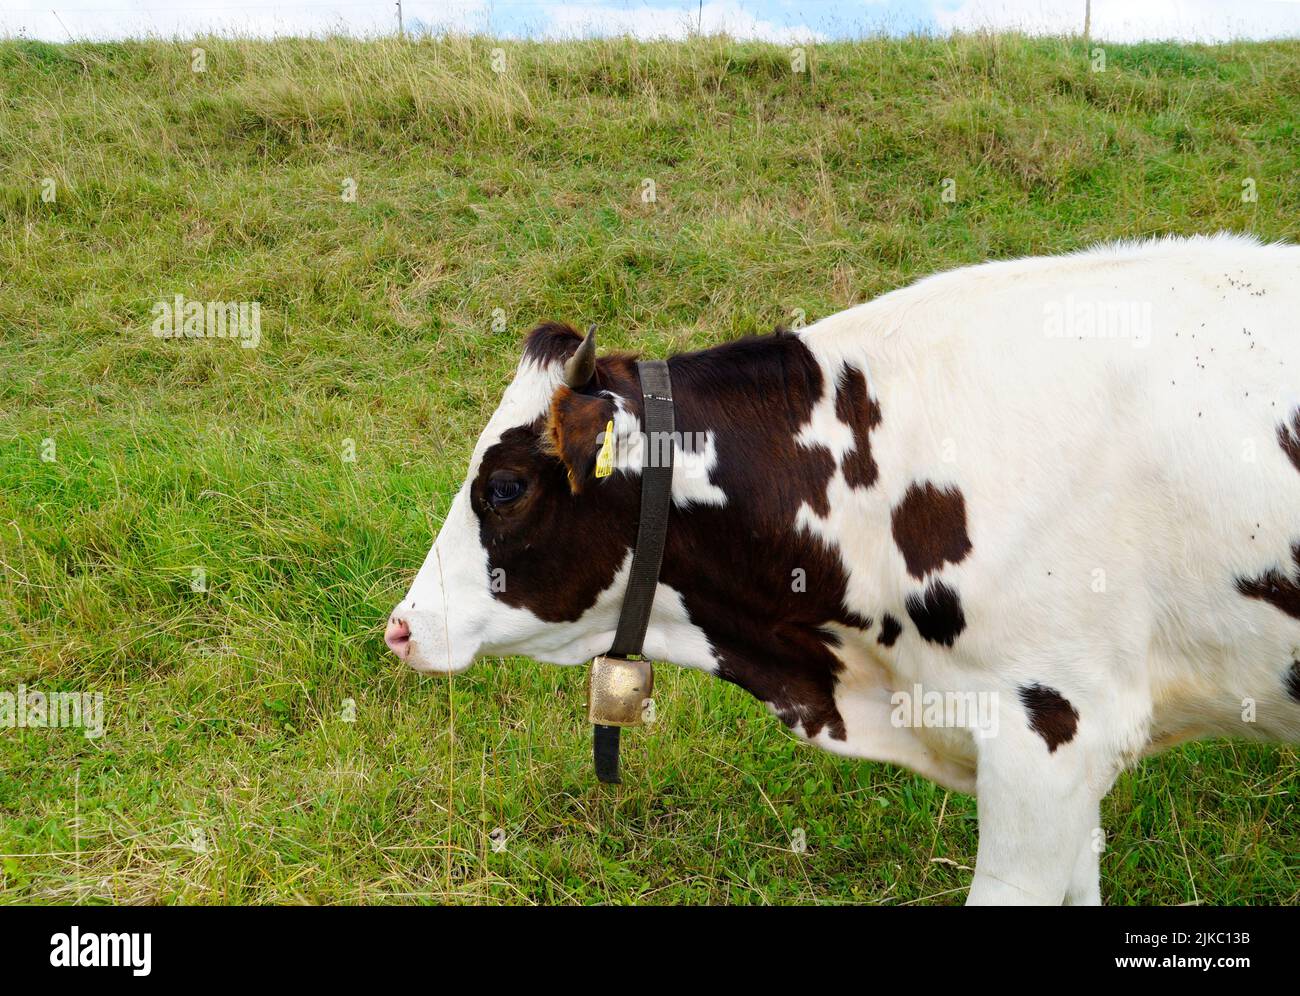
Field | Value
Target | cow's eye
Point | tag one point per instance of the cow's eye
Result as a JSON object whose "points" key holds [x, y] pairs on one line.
{"points": [[503, 489]]}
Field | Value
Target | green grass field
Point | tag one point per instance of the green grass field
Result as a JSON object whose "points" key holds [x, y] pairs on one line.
{"points": [[229, 771]]}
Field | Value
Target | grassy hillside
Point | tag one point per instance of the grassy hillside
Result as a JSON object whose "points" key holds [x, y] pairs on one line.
{"points": [[485, 201]]}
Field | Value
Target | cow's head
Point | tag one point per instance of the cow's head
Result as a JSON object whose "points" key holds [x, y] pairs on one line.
{"points": [[530, 559], [534, 555]]}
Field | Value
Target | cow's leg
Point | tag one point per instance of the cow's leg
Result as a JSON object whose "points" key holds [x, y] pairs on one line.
{"points": [[1085, 881], [1036, 814]]}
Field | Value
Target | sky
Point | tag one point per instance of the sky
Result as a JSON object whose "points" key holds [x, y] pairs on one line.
{"points": [[769, 20]]}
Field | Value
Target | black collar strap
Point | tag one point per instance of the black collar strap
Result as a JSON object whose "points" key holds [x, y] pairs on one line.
{"points": [[656, 500]]}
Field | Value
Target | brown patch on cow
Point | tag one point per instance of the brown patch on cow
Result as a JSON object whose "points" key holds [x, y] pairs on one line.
{"points": [[890, 630], [1288, 437], [556, 550], [857, 621], [855, 407], [574, 431], [937, 613], [1275, 587], [1293, 680], [802, 696], [1050, 715], [755, 395], [929, 526], [589, 533]]}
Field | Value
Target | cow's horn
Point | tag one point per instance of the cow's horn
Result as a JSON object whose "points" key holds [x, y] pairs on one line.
{"points": [[581, 366]]}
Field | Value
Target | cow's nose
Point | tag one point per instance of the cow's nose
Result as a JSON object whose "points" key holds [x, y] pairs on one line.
{"points": [[398, 637]]}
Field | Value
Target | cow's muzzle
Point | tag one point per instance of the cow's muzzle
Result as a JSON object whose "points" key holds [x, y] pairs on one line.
{"points": [[421, 640]]}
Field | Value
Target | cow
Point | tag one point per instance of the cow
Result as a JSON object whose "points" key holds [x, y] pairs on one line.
{"points": [[1012, 527]]}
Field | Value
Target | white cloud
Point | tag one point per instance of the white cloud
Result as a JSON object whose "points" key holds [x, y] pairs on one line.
{"points": [[99, 19], [1128, 20], [715, 17], [1113, 20]]}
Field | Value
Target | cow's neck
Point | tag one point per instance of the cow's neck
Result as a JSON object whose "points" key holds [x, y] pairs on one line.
{"points": [[767, 591]]}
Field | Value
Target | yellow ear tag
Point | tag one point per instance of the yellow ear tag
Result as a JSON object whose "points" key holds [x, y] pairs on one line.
{"points": [[605, 458]]}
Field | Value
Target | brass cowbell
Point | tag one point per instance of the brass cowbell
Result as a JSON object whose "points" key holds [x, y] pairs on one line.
{"points": [[617, 690]]}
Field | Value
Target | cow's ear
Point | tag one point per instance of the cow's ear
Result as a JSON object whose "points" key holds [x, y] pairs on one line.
{"points": [[551, 342], [576, 432]]}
